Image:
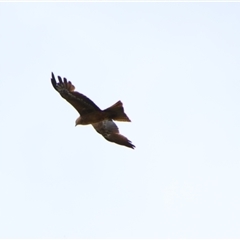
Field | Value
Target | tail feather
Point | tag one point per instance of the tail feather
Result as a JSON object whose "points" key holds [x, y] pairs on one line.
{"points": [[116, 112]]}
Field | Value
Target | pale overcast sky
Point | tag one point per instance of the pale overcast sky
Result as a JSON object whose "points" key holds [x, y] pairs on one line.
{"points": [[175, 67]]}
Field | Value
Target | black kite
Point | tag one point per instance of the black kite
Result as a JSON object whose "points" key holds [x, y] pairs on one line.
{"points": [[90, 113]]}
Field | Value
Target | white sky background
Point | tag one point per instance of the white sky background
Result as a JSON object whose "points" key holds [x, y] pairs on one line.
{"points": [[175, 66]]}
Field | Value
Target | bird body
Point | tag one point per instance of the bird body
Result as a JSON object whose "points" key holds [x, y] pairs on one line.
{"points": [[90, 113], [114, 112]]}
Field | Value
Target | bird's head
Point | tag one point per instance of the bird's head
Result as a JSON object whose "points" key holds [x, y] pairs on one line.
{"points": [[78, 121]]}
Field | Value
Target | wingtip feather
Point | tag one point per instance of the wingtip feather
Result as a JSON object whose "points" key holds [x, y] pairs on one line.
{"points": [[60, 79], [130, 145], [53, 80]]}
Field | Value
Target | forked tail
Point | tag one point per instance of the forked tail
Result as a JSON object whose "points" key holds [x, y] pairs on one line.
{"points": [[116, 112]]}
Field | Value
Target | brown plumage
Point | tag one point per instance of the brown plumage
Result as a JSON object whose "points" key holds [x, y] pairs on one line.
{"points": [[90, 113]]}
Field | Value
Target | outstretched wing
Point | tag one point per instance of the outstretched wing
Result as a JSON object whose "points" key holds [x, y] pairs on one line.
{"points": [[109, 130], [80, 102]]}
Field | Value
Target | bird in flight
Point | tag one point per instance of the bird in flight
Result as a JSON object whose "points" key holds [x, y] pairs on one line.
{"points": [[90, 113]]}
